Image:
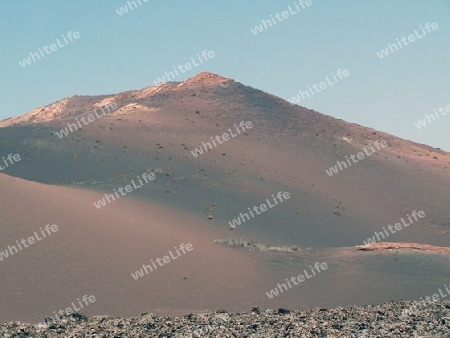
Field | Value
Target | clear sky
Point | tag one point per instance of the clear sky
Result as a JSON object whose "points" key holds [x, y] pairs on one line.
{"points": [[117, 53]]}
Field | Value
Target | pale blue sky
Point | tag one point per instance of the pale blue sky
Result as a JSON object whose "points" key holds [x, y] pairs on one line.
{"points": [[118, 53]]}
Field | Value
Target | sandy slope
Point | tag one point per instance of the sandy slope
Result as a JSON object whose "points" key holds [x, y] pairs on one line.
{"points": [[95, 251]]}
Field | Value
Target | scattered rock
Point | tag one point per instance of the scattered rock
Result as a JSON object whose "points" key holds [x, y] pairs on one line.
{"points": [[390, 319]]}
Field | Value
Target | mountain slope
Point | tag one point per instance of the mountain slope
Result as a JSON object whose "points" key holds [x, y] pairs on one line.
{"points": [[288, 148]]}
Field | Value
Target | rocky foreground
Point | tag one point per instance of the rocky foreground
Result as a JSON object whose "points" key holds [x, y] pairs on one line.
{"points": [[393, 319]]}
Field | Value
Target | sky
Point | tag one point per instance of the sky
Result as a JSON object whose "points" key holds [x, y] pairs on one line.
{"points": [[115, 53]]}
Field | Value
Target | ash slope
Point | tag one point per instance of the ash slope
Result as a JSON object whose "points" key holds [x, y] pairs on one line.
{"points": [[94, 253]]}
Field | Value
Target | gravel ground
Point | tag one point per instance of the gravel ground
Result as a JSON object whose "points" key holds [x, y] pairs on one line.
{"points": [[393, 319]]}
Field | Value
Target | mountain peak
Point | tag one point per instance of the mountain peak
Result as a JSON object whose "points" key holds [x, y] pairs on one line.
{"points": [[207, 78]]}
